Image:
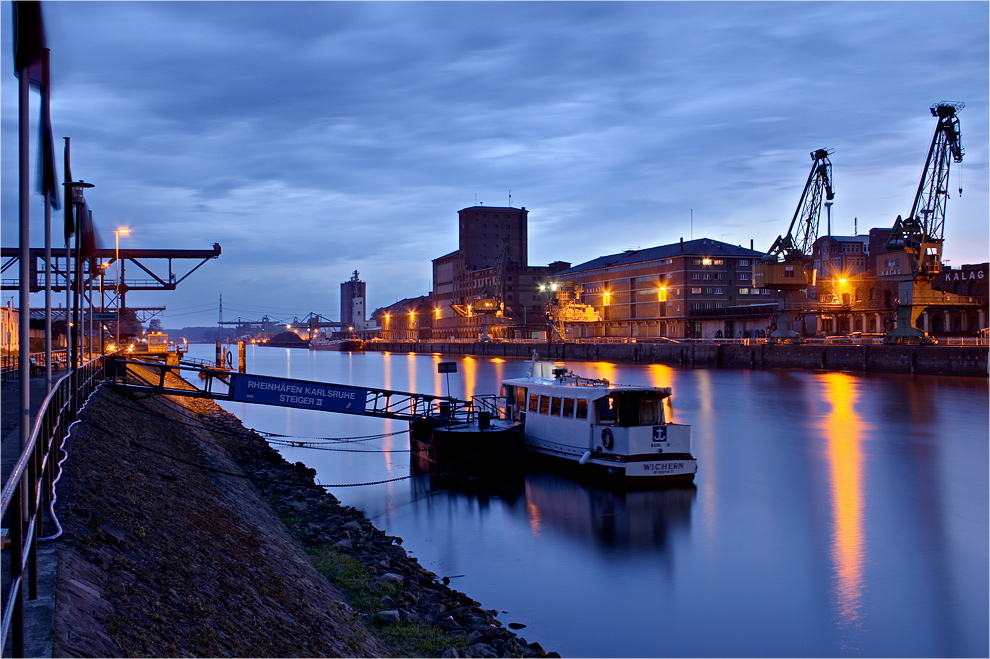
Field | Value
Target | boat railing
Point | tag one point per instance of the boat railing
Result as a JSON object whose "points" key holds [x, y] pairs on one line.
{"points": [[490, 403], [570, 378]]}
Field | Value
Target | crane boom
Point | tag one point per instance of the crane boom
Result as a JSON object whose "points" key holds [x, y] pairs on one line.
{"points": [[912, 254], [787, 265], [797, 243], [921, 233]]}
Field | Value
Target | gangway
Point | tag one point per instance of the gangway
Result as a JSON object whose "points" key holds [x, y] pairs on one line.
{"points": [[227, 385]]}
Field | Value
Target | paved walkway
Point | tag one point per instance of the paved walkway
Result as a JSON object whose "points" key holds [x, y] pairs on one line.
{"points": [[39, 613]]}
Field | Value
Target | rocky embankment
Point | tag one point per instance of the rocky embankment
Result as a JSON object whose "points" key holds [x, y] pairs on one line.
{"points": [[187, 535]]}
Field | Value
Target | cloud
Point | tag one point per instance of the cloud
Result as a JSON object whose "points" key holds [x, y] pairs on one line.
{"points": [[312, 139]]}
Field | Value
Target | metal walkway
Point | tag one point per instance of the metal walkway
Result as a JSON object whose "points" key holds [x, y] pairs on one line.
{"points": [[220, 384]]}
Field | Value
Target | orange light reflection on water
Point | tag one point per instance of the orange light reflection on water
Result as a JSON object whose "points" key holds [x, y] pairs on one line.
{"points": [[470, 376], [663, 376], [535, 518], [843, 430]]}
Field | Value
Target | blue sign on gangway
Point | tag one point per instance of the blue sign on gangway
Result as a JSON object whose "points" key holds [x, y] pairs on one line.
{"points": [[298, 393]]}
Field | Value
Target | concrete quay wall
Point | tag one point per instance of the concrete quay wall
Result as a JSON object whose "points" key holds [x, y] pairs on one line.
{"points": [[970, 361]]}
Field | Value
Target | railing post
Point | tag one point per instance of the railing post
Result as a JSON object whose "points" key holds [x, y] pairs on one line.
{"points": [[17, 571], [32, 514]]}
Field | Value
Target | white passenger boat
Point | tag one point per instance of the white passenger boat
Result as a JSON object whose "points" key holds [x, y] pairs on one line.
{"points": [[612, 430]]}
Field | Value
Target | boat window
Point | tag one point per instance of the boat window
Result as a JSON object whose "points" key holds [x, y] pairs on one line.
{"points": [[544, 404], [533, 405], [582, 408], [521, 398], [568, 408], [649, 414], [555, 406], [628, 410], [606, 410]]}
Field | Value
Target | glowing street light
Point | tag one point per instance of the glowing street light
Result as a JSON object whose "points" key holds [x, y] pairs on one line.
{"points": [[116, 238]]}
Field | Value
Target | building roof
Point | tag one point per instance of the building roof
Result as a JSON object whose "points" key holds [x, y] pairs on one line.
{"points": [[699, 247], [862, 238], [491, 208]]}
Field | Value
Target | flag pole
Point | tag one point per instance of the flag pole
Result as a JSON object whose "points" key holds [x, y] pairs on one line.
{"points": [[45, 102], [24, 256]]}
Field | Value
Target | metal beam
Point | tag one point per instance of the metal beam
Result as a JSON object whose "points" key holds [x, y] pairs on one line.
{"points": [[157, 282]]}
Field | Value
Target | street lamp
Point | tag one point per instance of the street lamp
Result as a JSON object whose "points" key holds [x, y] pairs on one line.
{"points": [[116, 263]]}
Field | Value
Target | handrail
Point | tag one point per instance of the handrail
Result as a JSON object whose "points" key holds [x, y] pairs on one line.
{"points": [[31, 482]]}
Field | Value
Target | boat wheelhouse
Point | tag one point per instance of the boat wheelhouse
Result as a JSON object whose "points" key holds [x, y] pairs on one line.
{"points": [[612, 430]]}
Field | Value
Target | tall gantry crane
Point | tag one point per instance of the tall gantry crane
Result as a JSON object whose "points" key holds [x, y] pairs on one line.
{"points": [[912, 254], [787, 266]]}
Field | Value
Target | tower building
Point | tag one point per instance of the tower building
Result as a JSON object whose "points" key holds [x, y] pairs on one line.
{"points": [[352, 302]]}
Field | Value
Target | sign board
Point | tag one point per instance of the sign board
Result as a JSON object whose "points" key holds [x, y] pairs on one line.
{"points": [[298, 393], [103, 316], [447, 367]]}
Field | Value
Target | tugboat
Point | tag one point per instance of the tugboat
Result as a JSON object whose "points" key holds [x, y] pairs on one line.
{"points": [[594, 427]]}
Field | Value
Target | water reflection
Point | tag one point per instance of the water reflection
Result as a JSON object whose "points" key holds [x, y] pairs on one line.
{"points": [[591, 516], [835, 515], [607, 518], [470, 365], [843, 431]]}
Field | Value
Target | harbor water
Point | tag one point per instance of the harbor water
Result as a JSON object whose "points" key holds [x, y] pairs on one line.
{"points": [[833, 514]]}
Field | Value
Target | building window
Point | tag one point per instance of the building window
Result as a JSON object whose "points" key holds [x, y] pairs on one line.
{"points": [[696, 291], [695, 275], [719, 291], [743, 263], [744, 291]]}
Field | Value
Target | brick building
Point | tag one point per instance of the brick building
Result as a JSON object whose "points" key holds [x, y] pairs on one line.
{"points": [[691, 289], [491, 263], [855, 299]]}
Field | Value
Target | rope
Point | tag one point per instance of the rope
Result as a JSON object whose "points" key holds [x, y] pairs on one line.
{"points": [[321, 447], [359, 438], [206, 422], [58, 476]]}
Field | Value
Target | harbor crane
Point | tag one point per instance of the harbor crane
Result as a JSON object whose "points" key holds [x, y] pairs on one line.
{"points": [[490, 301], [912, 253], [787, 267]]}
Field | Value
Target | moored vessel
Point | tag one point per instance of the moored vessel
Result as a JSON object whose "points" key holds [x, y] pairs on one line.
{"points": [[344, 345], [619, 432]]}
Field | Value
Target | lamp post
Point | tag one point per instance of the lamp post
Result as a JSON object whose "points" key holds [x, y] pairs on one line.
{"points": [[116, 236]]}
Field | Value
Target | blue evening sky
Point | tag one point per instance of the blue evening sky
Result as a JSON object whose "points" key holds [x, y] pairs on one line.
{"points": [[311, 139]]}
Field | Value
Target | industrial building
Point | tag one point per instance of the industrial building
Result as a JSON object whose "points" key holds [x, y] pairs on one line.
{"points": [[691, 289], [353, 296], [486, 288]]}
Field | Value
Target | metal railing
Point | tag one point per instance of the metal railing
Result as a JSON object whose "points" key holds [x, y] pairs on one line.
{"points": [[28, 490], [9, 363]]}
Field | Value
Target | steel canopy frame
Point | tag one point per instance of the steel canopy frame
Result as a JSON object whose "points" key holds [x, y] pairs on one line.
{"points": [[61, 279]]}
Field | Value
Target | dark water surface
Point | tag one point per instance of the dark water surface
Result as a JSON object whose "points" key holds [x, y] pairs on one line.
{"points": [[833, 514]]}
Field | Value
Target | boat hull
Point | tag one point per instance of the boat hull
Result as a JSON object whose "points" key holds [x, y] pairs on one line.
{"points": [[627, 471], [342, 345], [495, 452]]}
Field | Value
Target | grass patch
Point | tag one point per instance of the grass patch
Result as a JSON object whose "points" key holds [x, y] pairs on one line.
{"points": [[363, 594]]}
